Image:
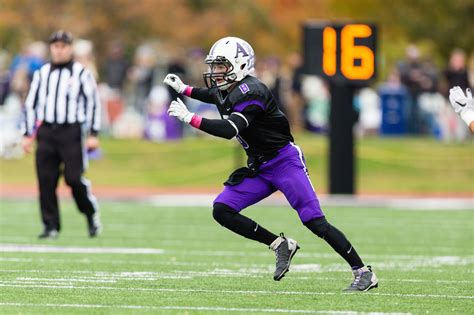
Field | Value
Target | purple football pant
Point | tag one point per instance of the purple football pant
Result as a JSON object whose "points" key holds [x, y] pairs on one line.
{"points": [[287, 173]]}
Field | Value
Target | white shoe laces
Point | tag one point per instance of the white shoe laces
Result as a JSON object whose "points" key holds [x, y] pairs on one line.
{"points": [[356, 280], [357, 274]]}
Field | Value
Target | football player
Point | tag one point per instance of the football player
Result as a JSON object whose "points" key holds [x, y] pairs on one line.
{"points": [[463, 105], [250, 114]]}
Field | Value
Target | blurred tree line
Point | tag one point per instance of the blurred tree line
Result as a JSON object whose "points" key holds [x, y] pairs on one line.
{"points": [[273, 27]]}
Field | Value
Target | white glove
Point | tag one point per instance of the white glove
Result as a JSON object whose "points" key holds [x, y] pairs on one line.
{"points": [[459, 101], [175, 82], [463, 104], [180, 111]]}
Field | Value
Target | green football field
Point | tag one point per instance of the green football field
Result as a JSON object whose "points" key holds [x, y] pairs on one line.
{"points": [[177, 260]]}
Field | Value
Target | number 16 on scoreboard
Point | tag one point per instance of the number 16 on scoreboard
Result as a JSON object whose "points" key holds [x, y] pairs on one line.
{"points": [[345, 53]]}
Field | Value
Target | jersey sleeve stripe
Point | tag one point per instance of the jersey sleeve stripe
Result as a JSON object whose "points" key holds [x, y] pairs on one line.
{"points": [[240, 107], [235, 127]]}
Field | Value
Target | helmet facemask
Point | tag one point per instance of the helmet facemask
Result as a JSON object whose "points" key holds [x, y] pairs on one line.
{"points": [[230, 60], [220, 73]]}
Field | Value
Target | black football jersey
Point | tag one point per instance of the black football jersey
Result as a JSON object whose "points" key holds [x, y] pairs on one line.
{"points": [[268, 129]]}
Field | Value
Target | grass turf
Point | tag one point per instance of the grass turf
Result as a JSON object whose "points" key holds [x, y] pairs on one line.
{"points": [[394, 165], [423, 260]]}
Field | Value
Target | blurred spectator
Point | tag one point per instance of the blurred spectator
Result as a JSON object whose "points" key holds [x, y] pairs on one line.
{"points": [[176, 66], [24, 65], [418, 77], [84, 54], [195, 66], [296, 101], [431, 106], [31, 58], [129, 125], [159, 126], [116, 66], [4, 77], [115, 73], [270, 74], [456, 72], [316, 95], [430, 101], [370, 115], [141, 76], [10, 134], [20, 82]]}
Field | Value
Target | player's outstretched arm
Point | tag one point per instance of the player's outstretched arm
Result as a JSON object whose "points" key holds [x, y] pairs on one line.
{"points": [[175, 82], [224, 128], [463, 105]]}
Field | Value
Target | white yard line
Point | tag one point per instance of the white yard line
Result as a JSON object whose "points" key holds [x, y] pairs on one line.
{"points": [[24, 248], [249, 292], [402, 258], [32, 248], [197, 308], [107, 276]]}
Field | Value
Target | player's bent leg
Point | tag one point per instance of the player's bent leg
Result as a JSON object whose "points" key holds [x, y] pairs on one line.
{"points": [[237, 197], [336, 239], [364, 278], [242, 225]]}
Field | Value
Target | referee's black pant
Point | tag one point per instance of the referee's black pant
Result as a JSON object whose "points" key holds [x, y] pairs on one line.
{"points": [[60, 150]]}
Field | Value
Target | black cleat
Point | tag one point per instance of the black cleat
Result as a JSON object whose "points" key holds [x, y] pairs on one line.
{"points": [[49, 234], [94, 225], [285, 249], [364, 280]]}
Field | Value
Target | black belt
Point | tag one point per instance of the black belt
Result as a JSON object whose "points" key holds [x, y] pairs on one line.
{"points": [[57, 126]]}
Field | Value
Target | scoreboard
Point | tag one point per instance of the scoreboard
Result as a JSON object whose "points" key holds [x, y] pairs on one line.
{"points": [[345, 55], [341, 52]]}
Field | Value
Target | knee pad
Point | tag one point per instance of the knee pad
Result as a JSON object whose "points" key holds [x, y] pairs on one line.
{"points": [[319, 226], [223, 213]]}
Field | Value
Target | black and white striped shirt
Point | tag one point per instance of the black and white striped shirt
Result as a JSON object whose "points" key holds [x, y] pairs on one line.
{"points": [[64, 94]]}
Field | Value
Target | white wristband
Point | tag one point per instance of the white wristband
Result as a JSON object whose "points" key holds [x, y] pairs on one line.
{"points": [[468, 116]]}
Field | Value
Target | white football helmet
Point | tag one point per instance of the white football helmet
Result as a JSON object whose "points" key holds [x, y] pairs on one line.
{"points": [[230, 60]]}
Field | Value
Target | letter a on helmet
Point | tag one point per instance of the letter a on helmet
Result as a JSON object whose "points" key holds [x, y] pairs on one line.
{"points": [[240, 50], [230, 60]]}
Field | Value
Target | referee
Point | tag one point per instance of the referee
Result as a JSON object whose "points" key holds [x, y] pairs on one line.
{"points": [[62, 111]]}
